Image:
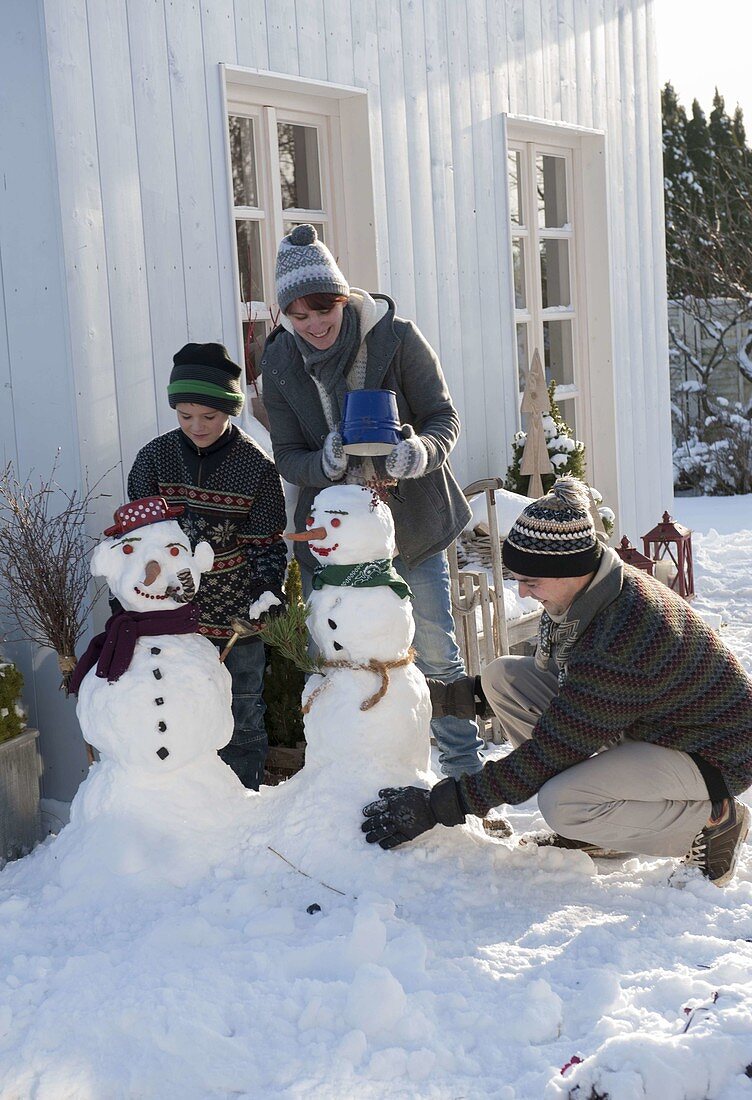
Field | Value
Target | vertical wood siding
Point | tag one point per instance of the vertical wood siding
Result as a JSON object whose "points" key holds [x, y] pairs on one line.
{"points": [[146, 236]]}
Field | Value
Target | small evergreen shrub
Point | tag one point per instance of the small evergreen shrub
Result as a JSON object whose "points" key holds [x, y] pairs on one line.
{"points": [[567, 456], [284, 680], [12, 714]]}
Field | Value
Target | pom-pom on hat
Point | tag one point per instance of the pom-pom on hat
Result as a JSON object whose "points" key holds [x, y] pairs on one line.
{"points": [[306, 266], [555, 535], [204, 374], [139, 513]]}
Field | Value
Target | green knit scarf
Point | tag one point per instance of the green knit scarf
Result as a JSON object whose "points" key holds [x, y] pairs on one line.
{"points": [[366, 574]]}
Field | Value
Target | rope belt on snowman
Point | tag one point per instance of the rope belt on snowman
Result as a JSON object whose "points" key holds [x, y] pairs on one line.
{"points": [[369, 574], [380, 668]]}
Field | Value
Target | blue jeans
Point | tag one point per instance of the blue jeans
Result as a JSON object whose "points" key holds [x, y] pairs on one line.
{"points": [[246, 751], [438, 656]]}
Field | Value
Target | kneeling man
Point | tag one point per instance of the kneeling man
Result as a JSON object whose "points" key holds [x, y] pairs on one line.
{"points": [[632, 722]]}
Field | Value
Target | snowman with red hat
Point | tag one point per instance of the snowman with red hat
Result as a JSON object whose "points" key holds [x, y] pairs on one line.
{"points": [[155, 702]]}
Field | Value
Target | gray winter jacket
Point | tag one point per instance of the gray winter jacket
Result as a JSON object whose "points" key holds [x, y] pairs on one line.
{"points": [[429, 512]]}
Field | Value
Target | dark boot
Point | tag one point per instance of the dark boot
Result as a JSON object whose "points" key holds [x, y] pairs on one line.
{"points": [[462, 698]]}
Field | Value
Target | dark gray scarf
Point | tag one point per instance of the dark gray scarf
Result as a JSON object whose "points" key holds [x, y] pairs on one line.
{"points": [[329, 368], [558, 639]]}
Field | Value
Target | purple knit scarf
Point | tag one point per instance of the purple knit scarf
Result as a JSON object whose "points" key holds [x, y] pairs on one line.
{"points": [[112, 650]]}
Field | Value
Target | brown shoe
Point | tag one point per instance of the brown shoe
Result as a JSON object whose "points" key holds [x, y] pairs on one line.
{"points": [[717, 847], [554, 840]]}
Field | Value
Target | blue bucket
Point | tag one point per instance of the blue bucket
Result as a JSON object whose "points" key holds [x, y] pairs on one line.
{"points": [[370, 422]]}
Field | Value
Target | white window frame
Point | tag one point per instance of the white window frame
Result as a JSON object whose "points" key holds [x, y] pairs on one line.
{"points": [[340, 115], [592, 391]]}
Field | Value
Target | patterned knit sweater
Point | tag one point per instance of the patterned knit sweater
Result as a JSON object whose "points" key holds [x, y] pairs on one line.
{"points": [[233, 499], [649, 667]]}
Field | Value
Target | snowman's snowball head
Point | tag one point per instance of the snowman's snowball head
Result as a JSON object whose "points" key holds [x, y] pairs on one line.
{"points": [[152, 568], [358, 525]]}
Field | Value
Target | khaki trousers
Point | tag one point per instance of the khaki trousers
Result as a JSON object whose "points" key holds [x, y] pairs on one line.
{"points": [[632, 797]]}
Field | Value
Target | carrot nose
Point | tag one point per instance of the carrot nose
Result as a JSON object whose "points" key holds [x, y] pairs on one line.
{"points": [[152, 572], [307, 536]]}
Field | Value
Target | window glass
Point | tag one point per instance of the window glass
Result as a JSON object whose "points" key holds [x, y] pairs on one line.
{"points": [[518, 263], [554, 262], [318, 226], [551, 189], [242, 151], [557, 347], [254, 335], [248, 237], [299, 175], [523, 356], [515, 204]]}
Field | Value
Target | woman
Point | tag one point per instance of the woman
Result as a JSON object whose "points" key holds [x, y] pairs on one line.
{"points": [[334, 338]]}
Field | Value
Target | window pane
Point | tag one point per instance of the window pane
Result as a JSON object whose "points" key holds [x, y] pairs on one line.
{"points": [[249, 261], [254, 335], [567, 410], [299, 166], [515, 186], [557, 348], [523, 357], [289, 226], [551, 184], [243, 157], [518, 264], [554, 261]]}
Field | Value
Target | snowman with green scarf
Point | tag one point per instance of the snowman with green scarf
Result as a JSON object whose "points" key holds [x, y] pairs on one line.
{"points": [[371, 705]]}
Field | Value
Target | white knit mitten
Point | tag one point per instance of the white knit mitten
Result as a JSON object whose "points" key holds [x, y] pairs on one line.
{"points": [[409, 458], [333, 457]]}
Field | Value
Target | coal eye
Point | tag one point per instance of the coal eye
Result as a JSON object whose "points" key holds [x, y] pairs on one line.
{"points": [[174, 550], [127, 549], [336, 522]]}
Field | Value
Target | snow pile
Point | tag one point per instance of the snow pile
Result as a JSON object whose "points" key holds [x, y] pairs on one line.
{"points": [[457, 966]]}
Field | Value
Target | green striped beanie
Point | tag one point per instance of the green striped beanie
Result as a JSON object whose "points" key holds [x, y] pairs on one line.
{"points": [[204, 374]]}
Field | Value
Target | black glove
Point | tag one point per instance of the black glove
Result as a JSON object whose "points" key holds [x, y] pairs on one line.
{"points": [[403, 813], [462, 698]]}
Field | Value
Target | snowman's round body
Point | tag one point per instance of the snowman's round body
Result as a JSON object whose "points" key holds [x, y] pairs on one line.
{"points": [[172, 706], [356, 626], [159, 805]]}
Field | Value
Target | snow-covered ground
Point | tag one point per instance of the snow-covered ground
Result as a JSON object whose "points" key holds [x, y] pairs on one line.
{"points": [[459, 966]]}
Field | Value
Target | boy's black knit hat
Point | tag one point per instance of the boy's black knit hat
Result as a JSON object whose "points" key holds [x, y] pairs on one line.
{"points": [[204, 374], [555, 535]]}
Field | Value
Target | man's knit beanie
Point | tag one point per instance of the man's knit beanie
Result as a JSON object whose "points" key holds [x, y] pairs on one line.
{"points": [[306, 266], [555, 535], [204, 374]]}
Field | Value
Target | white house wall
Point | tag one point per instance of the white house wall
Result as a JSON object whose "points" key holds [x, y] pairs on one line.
{"points": [[37, 395], [138, 122], [129, 116]]}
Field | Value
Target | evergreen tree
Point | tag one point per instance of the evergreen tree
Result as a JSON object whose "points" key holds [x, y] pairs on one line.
{"points": [[567, 456], [284, 681]]}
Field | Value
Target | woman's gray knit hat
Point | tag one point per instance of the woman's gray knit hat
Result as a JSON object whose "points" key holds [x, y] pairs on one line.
{"points": [[306, 266], [555, 535]]}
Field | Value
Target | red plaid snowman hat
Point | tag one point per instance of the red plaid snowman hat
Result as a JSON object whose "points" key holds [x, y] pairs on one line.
{"points": [[138, 513]]}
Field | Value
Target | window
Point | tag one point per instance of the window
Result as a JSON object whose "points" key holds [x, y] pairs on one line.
{"points": [[548, 306], [296, 154]]}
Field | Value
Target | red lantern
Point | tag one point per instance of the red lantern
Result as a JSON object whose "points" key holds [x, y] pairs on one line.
{"points": [[632, 556], [671, 544]]}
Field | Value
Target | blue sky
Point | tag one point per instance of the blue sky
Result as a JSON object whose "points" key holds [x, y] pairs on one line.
{"points": [[702, 43]]}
